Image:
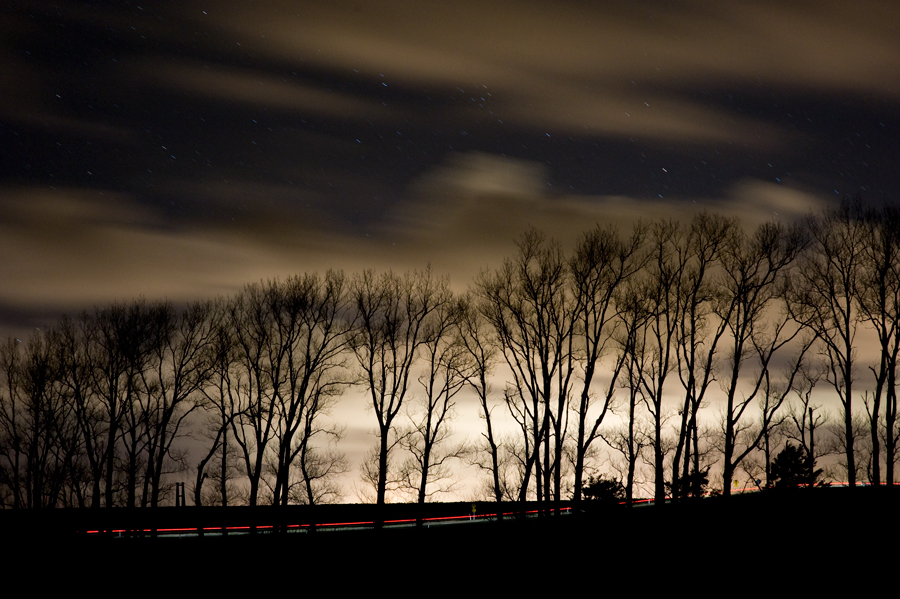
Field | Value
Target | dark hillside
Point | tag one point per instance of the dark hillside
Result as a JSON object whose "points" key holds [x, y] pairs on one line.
{"points": [[793, 538]]}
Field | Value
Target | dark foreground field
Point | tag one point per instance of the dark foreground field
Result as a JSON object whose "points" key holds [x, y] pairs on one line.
{"points": [[791, 541]]}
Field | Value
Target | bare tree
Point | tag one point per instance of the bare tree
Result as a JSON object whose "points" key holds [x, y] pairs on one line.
{"points": [[38, 439], [665, 270], [879, 304], [279, 372], [104, 354], [698, 331], [836, 432], [631, 438], [314, 321], [123, 354], [806, 418], [601, 264], [258, 367], [393, 313], [319, 468], [529, 305], [891, 434], [447, 367], [221, 404], [483, 351], [75, 379], [825, 298], [752, 275], [181, 365]]}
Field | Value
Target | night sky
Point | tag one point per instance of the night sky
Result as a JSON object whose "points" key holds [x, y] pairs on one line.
{"points": [[183, 149]]}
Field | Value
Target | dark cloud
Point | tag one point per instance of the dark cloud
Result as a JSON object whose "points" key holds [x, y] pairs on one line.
{"points": [[183, 149]]}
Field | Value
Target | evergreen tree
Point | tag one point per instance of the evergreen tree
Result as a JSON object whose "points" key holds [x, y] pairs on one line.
{"points": [[793, 468]]}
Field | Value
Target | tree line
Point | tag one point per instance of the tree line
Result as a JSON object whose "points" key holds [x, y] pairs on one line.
{"points": [[652, 356]]}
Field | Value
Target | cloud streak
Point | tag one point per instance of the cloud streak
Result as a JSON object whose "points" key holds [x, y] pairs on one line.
{"points": [[571, 67], [183, 151]]}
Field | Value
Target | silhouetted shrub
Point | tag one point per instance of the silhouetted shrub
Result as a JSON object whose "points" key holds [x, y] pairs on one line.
{"points": [[603, 490], [793, 468]]}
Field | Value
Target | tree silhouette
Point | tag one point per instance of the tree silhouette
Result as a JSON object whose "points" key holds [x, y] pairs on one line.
{"points": [[879, 304], [792, 468], [529, 304], [692, 485], [602, 264], [446, 368], [698, 296], [603, 489], [755, 268], [483, 349], [98, 409], [393, 313], [825, 295]]}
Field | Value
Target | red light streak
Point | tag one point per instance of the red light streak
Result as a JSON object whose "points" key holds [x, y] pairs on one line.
{"points": [[266, 527]]}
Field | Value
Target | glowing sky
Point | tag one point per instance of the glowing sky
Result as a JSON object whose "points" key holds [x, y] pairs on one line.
{"points": [[182, 149]]}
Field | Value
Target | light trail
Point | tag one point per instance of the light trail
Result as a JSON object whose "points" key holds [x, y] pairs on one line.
{"points": [[305, 528]]}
